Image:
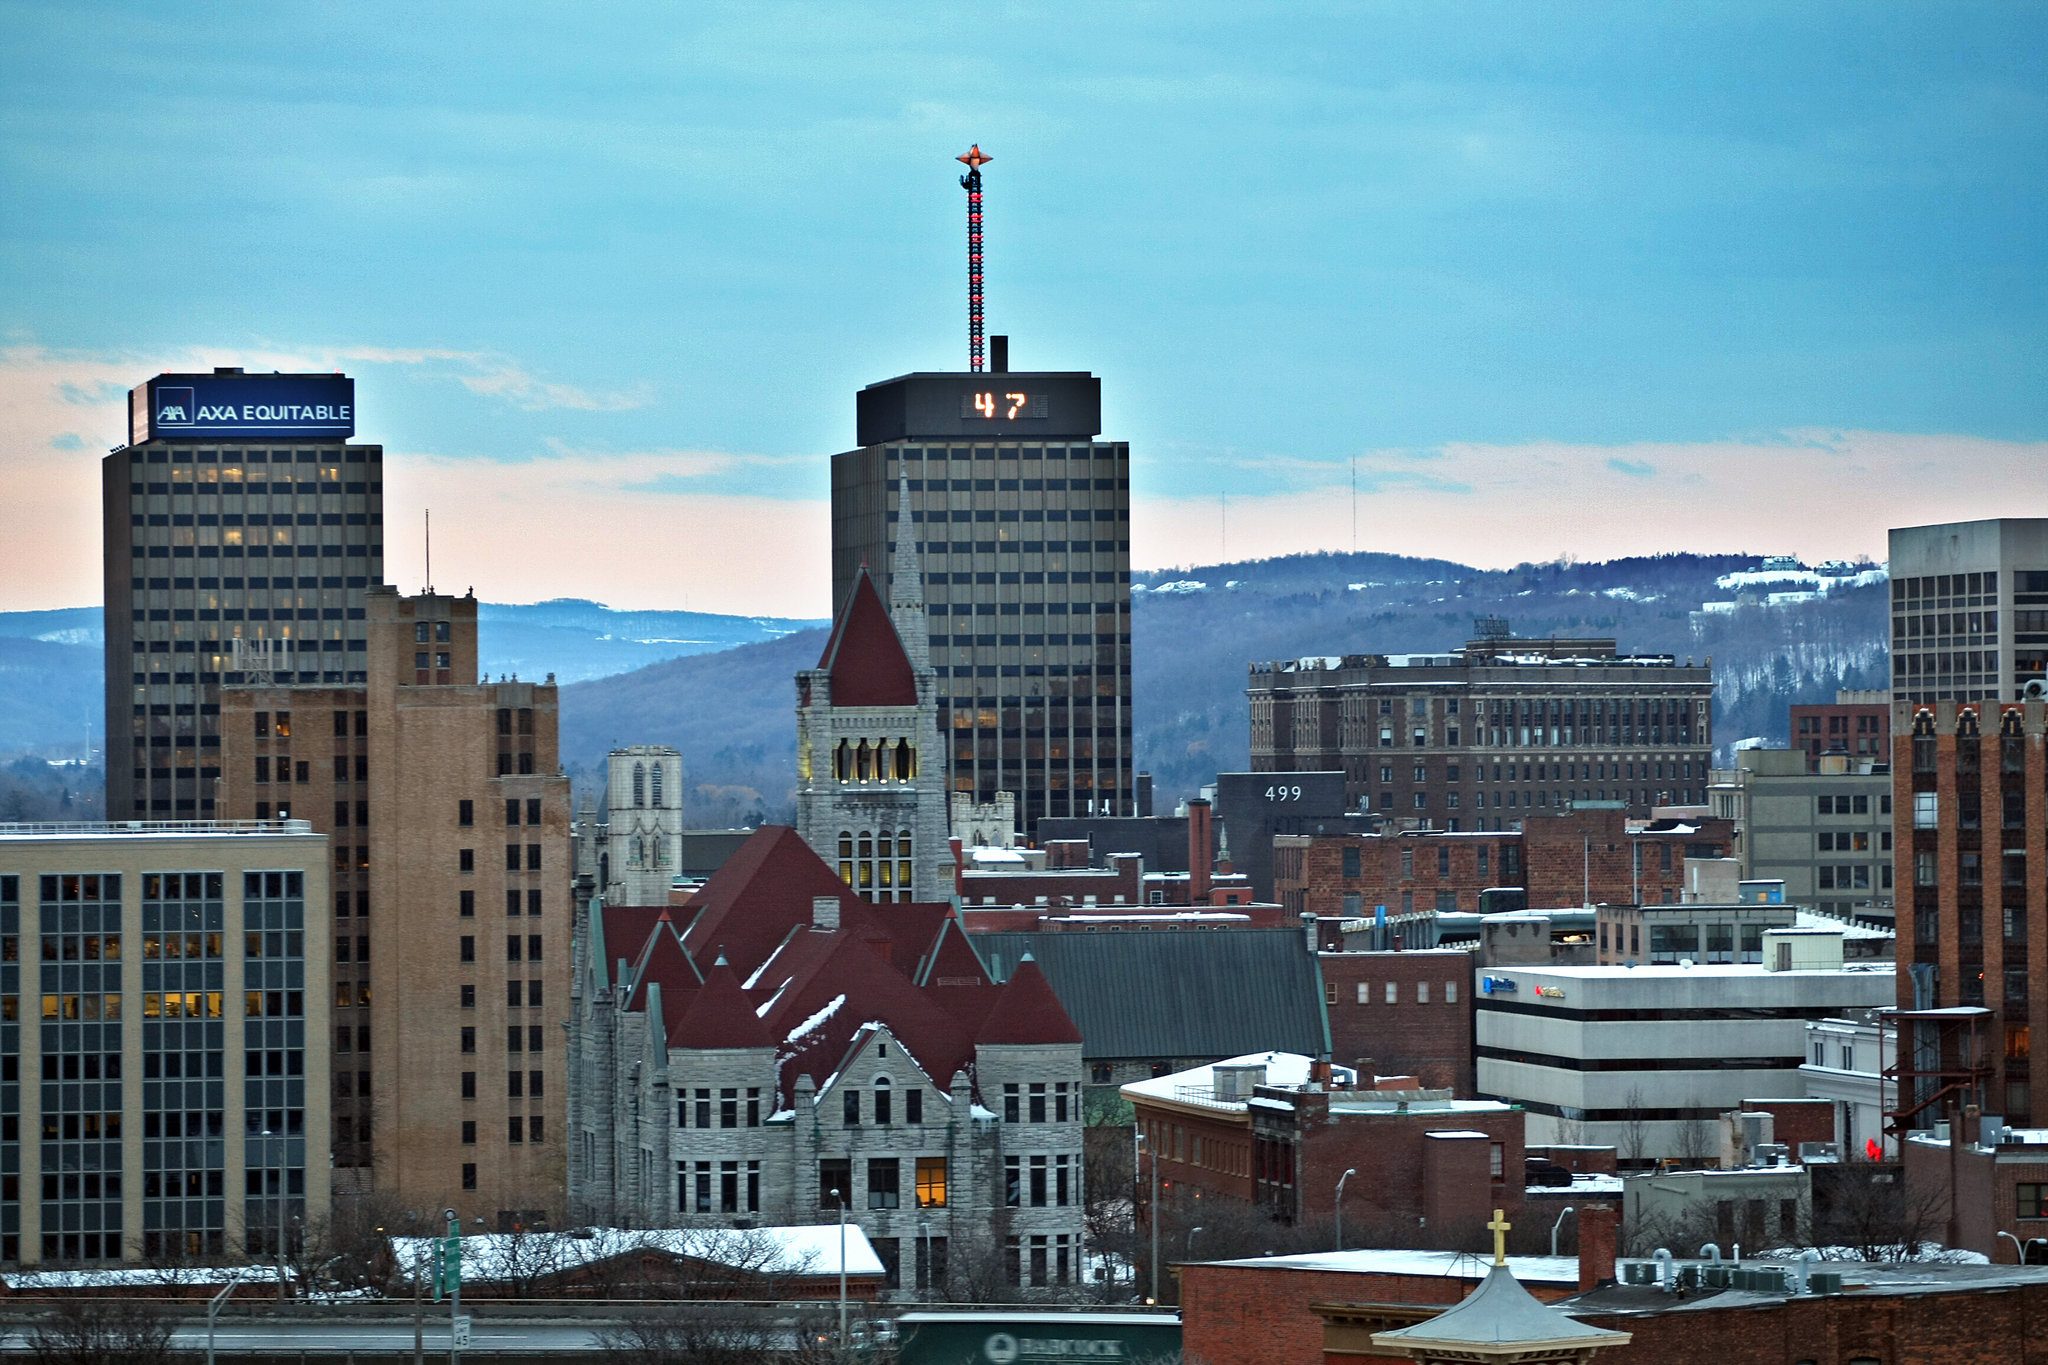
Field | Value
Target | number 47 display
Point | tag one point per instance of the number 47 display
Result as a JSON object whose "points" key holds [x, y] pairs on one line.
{"points": [[1013, 403]]}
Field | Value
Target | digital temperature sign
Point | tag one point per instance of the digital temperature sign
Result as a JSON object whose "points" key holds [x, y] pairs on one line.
{"points": [[1007, 405]]}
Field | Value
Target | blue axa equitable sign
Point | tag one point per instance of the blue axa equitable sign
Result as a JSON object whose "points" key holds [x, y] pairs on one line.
{"points": [[237, 406]]}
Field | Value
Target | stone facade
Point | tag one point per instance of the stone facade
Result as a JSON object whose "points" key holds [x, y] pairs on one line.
{"points": [[641, 844], [871, 777], [830, 1045]]}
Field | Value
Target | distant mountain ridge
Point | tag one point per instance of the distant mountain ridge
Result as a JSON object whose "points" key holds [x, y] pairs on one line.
{"points": [[721, 688], [51, 661], [1195, 630]]}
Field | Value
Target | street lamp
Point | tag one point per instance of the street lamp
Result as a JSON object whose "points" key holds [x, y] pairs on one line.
{"points": [[280, 1211], [1191, 1240], [1558, 1224], [213, 1311], [1338, 1203], [2019, 1248], [840, 1199], [1153, 1167]]}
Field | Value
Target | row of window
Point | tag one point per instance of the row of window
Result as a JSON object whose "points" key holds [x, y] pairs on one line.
{"points": [[529, 1038], [516, 949], [1390, 993], [884, 1188], [519, 1129]]}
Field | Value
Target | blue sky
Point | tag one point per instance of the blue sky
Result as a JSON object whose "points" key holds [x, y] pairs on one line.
{"points": [[1588, 279]]}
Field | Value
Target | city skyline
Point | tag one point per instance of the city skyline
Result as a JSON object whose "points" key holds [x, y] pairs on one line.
{"points": [[1549, 285]]}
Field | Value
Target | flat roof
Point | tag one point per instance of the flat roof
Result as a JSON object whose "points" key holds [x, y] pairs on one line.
{"points": [[1406, 1261], [154, 829]]}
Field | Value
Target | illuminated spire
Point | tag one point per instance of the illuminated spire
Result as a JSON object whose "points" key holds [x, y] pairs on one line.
{"points": [[975, 159]]}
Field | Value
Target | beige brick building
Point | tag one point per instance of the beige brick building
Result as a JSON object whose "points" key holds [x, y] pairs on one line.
{"points": [[449, 818], [163, 1015]]}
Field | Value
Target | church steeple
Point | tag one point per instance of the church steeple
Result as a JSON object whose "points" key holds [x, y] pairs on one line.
{"points": [[906, 583]]}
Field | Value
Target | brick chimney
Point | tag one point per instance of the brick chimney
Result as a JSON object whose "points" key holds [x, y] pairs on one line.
{"points": [[1596, 1246], [1201, 852]]}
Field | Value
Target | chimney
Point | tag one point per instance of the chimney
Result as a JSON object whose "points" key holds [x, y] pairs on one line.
{"points": [[1319, 1073], [825, 913], [999, 355], [1200, 856], [1596, 1246]]}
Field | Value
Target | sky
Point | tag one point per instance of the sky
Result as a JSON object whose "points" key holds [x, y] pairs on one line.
{"points": [[1585, 280]]}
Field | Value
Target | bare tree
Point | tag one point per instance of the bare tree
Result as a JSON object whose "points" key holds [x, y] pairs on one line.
{"points": [[88, 1331], [1865, 1212], [1696, 1144], [1635, 1127]]}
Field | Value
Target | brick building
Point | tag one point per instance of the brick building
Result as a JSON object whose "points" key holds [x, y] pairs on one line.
{"points": [[1856, 723], [448, 814], [797, 1046], [1970, 803], [1487, 736], [1277, 1130], [1406, 1014], [1590, 854], [1329, 1306], [1990, 1186]]}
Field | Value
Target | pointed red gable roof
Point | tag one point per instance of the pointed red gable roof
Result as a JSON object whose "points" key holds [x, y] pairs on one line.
{"points": [[1028, 1012], [663, 959], [865, 655], [720, 1016]]}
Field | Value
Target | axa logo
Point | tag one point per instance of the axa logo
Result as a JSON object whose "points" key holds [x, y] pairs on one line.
{"points": [[174, 407]]}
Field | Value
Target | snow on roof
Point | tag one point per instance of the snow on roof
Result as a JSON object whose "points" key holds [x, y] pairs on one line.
{"points": [[1813, 919], [808, 1250], [817, 1021], [148, 1277], [1282, 1069], [1404, 1261]]}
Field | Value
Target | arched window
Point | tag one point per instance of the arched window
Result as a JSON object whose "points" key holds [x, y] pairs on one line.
{"points": [[1923, 723], [906, 761], [654, 785], [884, 1111], [639, 784], [841, 757], [863, 762], [1966, 722], [2010, 722]]}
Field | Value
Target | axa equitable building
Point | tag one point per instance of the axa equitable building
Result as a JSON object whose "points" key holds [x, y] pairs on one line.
{"points": [[242, 527]]}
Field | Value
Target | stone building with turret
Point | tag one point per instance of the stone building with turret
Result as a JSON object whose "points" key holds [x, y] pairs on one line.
{"points": [[782, 1048], [871, 777]]}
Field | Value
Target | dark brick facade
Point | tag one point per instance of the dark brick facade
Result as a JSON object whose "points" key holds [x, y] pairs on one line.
{"points": [[1424, 1031], [1581, 856]]}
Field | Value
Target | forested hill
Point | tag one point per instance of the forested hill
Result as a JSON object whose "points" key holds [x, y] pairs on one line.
{"points": [[1775, 637]]}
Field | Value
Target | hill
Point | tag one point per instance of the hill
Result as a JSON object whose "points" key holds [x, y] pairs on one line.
{"points": [[1194, 631]]}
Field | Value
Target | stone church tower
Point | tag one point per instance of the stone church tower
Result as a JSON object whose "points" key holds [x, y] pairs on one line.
{"points": [[871, 777], [643, 840]]}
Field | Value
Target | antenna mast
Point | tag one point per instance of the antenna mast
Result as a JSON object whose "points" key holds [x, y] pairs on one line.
{"points": [[430, 549], [975, 159]]}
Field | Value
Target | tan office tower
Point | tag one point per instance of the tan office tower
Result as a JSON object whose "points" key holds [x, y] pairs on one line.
{"points": [[1024, 519], [449, 816], [1969, 611], [167, 1103], [242, 528]]}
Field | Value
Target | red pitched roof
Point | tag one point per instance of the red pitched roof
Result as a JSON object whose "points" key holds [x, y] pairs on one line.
{"points": [[1028, 1012], [662, 958], [864, 654], [720, 1016], [752, 901]]}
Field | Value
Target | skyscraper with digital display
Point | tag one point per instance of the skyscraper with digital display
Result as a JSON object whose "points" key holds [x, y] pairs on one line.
{"points": [[1023, 515], [242, 527]]}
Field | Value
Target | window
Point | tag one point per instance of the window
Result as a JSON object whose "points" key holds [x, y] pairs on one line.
{"points": [[468, 948], [931, 1182], [884, 1110], [469, 1132], [465, 812], [2032, 1200], [469, 1085], [1038, 1101], [468, 905], [468, 1041], [884, 1192], [1422, 992], [469, 1175], [1012, 1104], [1926, 810], [466, 860], [835, 1180], [913, 1106], [849, 1112]]}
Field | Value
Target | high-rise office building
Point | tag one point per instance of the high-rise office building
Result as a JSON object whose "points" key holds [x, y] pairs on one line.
{"points": [[167, 1102], [1969, 610], [242, 527], [1483, 738], [448, 813], [1024, 521]]}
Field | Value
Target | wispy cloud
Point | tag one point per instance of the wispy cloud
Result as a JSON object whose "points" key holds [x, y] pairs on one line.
{"points": [[1635, 469]]}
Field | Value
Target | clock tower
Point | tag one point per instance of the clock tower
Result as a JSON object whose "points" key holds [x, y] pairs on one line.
{"points": [[1024, 516]]}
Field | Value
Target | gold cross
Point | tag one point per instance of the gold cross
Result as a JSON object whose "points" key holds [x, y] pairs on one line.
{"points": [[1499, 1228]]}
